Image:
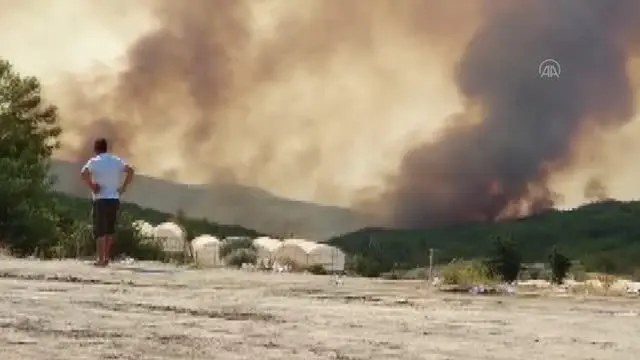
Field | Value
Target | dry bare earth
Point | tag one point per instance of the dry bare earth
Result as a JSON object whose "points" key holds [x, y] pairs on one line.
{"points": [[70, 310]]}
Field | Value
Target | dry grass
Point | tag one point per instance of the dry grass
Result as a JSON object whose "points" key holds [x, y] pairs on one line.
{"points": [[606, 280], [598, 285], [69, 310], [592, 290]]}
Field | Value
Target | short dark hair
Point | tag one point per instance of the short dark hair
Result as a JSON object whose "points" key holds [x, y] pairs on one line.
{"points": [[100, 146]]}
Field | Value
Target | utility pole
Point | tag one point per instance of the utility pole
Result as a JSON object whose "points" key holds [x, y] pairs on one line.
{"points": [[430, 266]]}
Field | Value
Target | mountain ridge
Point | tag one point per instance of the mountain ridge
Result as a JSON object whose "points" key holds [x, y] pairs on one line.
{"points": [[226, 203]]}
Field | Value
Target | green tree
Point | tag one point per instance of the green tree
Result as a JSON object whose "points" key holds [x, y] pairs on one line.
{"points": [[365, 266], [29, 134], [180, 218], [505, 260], [560, 265]]}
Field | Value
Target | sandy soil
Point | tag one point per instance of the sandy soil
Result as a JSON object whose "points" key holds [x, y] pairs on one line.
{"points": [[70, 310]]}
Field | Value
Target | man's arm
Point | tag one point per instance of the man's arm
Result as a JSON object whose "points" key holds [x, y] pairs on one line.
{"points": [[88, 179], [128, 177]]}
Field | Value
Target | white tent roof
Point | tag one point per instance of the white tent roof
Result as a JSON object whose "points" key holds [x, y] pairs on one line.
{"points": [[204, 239], [267, 243], [305, 245], [169, 228], [309, 253]]}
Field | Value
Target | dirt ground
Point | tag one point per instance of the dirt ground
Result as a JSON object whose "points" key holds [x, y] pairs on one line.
{"points": [[70, 310]]}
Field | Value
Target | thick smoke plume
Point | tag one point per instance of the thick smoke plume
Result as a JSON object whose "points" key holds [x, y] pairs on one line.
{"points": [[595, 190], [352, 101], [262, 93], [496, 158]]}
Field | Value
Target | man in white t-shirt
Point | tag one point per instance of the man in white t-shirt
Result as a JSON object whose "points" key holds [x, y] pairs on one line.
{"points": [[103, 173]]}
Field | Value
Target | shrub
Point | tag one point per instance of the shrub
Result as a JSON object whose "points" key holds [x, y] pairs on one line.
{"points": [[602, 289], [365, 266], [292, 264], [578, 272], [560, 266], [416, 274], [240, 256], [75, 239], [467, 273], [228, 246], [606, 280], [131, 242], [317, 269]]}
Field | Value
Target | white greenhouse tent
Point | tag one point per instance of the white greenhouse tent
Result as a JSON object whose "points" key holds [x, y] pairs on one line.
{"points": [[330, 257], [266, 248], [206, 251], [171, 237], [308, 253], [294, 250]]}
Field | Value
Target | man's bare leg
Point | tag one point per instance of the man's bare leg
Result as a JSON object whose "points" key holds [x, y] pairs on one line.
{"points": [[101, 250], [107, 248]]}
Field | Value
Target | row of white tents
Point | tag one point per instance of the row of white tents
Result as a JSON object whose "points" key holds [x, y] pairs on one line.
{"points": [[302, 253], [205, 249]]}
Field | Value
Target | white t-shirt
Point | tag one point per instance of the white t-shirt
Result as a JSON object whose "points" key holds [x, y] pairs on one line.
{"points": [[106, 170]]}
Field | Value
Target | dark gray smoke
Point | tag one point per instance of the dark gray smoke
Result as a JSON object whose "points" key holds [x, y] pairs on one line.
{"points": [[595, 190], [102, 128], [194, 52], [495, 159]]}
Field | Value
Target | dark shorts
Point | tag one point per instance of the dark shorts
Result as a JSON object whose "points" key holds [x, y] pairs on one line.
{"points": [[105, 216]]}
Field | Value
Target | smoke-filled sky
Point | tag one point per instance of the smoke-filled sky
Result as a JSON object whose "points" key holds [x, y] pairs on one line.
{"points": [[426, 111]]}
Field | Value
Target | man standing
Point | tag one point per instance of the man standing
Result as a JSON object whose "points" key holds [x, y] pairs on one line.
{"points": [[102, 174]]}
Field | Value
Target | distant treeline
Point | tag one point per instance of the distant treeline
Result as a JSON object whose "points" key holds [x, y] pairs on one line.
{"points": [[604, 237]]}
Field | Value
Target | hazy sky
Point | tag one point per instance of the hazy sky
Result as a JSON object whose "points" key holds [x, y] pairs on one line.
{"points": [[319, 102]]}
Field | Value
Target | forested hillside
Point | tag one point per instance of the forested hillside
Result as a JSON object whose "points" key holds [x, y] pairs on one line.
{"points": [[603, 236]]}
